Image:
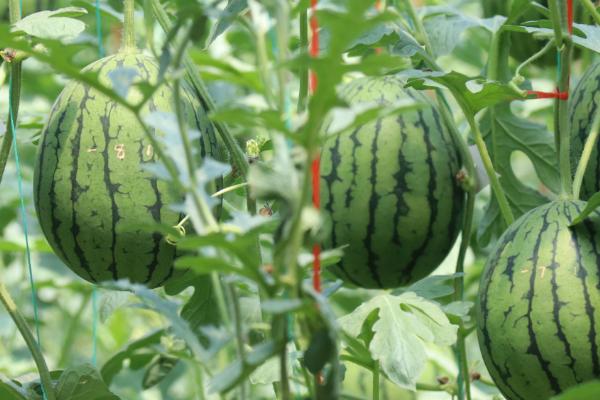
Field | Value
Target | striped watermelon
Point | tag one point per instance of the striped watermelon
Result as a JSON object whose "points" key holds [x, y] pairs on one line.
{"points": [[390, 190], [90, 188], [538, 314], [582, 109]]}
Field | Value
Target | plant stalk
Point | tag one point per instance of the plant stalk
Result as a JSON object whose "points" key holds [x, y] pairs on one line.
{"points": [[470, 189], [30, 341], [591, 9], [590, 145], [564, 45], [128, 25], [376, 380], [239, 334], [238, 157], [15, 98], [303, 92], [505, 209], [280, 145], [556, 16], [71, 331]]}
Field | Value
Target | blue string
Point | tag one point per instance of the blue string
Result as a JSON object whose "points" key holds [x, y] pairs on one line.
{"points": [[23, 211], [98, 30], [95, 290]]}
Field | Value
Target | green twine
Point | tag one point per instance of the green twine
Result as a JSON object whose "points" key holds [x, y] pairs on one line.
{"points": [[23, 211]]}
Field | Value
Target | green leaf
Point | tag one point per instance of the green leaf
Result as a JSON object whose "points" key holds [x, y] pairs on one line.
{"points": [[584, 391], [432, 287], [229, 14], [474, 94], [319, 351], [237, 371], [83, 383], [586, 36], [11, 390], [201, 308], [158, 369], [56, 24], [407, 45], [445, 31], [592, 204], [114, 365], [459, 311], [166, 308], [404, 324], [516, 134]]}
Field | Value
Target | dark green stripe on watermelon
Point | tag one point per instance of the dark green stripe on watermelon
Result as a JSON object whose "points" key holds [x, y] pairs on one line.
{"points": [[390, 191], [582, 109], [539, 304], [90, 185]]}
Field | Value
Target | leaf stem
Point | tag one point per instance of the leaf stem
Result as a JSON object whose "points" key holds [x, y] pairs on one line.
{"points": [[239, 334], [376, 380], [30, 341], [128, 25], [591, 9], [15, 96], [303, 92], [412, 12], [238, 157], [590, 145], [505, 209], [534, 58], [71, 331]]}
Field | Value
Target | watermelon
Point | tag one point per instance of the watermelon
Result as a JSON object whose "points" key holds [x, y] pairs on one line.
{"points": [[538, 309], [389, 189], [91, 190], [582, 109]]}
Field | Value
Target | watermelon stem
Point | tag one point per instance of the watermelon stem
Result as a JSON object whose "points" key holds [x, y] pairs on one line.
{"points": [[128, 25]]}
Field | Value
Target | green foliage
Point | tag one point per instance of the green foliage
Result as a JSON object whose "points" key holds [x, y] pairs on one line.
{"points": [[397, 328]]}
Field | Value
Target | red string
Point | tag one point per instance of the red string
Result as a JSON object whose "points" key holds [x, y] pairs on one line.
{"points": [[316, 167], [557, 94], [549, 95]]}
